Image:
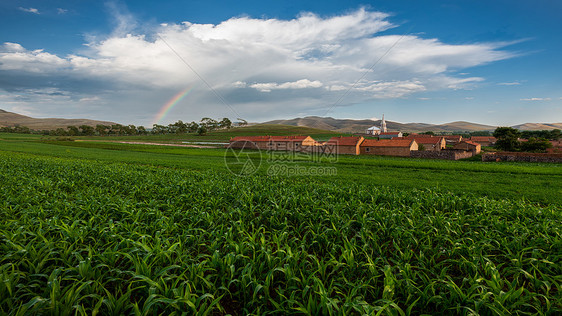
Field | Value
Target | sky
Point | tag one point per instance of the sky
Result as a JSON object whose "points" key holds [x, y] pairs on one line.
{"points": [[146, 62]]}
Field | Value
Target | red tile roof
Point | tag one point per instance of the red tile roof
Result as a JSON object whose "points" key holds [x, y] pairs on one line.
{"points": [[387, 143], [344, 141], [422, 139], [469, 142], [452, 137]]}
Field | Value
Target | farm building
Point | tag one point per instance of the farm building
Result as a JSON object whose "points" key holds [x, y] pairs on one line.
{"points": [[373, 130], [388, 147], [250, 142], [431, 143], [345, 145], [452, 139], [484, 140], [389, 135], [467, 145], [290, 143]]}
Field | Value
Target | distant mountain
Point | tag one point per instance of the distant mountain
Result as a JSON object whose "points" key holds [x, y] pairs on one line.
{"points": [[538, 126], [358, 126], [463, 126], [12, 119], [346, 125]]}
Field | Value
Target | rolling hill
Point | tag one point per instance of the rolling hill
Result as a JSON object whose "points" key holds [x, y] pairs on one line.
{"points": [[10, 119], [538, 126], [347, 125], [321, 125], [357, 126]]}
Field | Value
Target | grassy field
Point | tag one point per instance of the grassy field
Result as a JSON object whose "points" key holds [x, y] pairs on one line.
{"points": [[539, 183], [113, 229]]}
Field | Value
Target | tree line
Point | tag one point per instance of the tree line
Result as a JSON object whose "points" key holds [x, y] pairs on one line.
{"points": [[205, 125], [509, 139]]}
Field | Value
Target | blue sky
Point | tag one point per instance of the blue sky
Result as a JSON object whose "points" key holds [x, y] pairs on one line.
{"points": [[491, 62]]}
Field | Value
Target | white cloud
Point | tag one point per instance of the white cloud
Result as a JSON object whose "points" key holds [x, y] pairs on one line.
{"points": [[61, 11], [515, 83], [14, 57], [391, 89], [29, 10], [299, 84], [536, 99], [469, 98], [13, 47], [89, 99], [314, 60]]}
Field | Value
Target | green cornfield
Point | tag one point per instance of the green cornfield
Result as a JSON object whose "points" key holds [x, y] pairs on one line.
{"points": [[87, 237]]}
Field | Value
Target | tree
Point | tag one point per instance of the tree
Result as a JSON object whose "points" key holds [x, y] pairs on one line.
{"points": [[73, 130], [242, 122], [180, 127], [225, 123], [480, 133], [59, 132], [421, 147], [87, 130], [428, 133], [159, 129], [209, 124], [536, 145], [202, 130], [101, 129], [116, 129], [193, 127], [507, 138], [130, 130], [141, 130]]}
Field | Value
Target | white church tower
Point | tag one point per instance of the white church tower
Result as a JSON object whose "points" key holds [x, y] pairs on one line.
{"points": [[383, 125]]}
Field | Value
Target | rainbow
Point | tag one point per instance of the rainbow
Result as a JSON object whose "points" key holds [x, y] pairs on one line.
{"points": [[170, 104]]}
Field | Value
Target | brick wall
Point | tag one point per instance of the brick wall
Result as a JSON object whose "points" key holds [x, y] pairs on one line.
{"points": [[386, 151], [443, 154], [526, 157], [348, 150]]}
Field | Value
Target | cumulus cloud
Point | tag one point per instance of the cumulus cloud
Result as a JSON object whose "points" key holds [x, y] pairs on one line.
{"points": [[29, 10], [299, 84], [259, 66], [536, 99]]}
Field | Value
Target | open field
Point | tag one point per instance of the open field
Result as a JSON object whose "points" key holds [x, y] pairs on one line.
{"points": [[108, 228], [540, 183]]}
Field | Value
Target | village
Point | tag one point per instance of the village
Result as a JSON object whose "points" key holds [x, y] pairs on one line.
{"points": [[377, 140]]}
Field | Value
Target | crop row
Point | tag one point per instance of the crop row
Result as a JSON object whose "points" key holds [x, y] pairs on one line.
{"points": [[89, 237]]}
